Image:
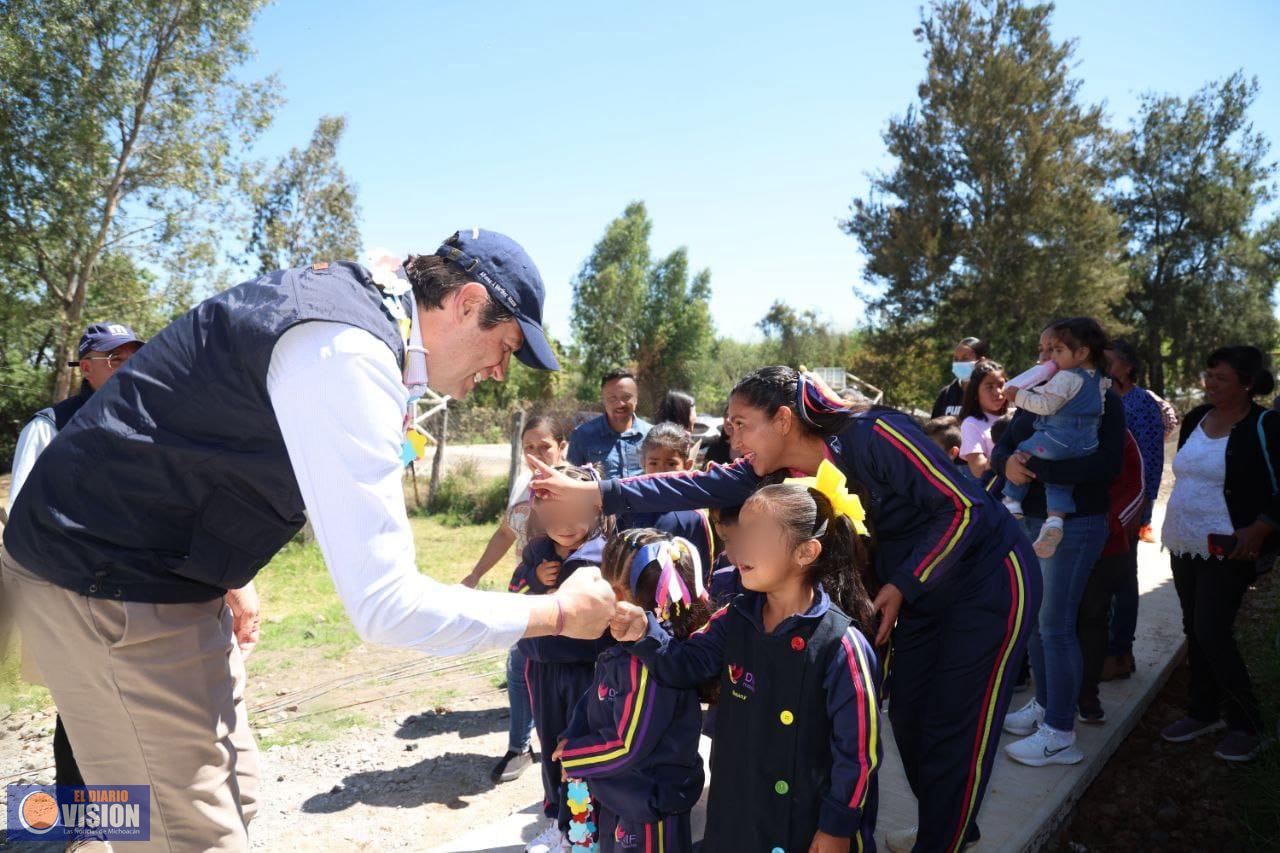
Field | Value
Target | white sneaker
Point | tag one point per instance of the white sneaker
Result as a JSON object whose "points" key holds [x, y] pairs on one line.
{"points": [[1046, 544], [551, 840], [904, 840], [1046, 746], [1025, 720], [1014, 507]]}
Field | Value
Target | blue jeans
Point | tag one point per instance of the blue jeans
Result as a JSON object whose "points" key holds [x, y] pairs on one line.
{"points": [[1056, 659], [1124, 607], [1059, 499], [518, 697]]}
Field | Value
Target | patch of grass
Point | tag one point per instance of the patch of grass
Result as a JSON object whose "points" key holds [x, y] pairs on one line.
{"points": [[325, 725], [1257, 784], [301, 609], [16, 695], [464, 498]]}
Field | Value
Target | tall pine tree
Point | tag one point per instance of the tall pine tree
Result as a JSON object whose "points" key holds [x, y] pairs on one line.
{"points": [[993, 220]]}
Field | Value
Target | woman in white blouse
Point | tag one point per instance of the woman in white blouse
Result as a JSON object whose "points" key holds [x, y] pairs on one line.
{"points": [[1222, 517]]}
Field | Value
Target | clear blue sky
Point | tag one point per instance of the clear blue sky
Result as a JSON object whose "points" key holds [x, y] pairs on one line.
{"points": [[745, 127]]}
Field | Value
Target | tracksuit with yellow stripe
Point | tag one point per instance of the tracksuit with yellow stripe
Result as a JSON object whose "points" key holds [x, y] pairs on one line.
{"points": [[971, 586]]}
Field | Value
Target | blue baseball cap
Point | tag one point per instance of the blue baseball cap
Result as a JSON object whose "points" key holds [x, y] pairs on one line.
{"points": [[507, 272], [105, 337]]}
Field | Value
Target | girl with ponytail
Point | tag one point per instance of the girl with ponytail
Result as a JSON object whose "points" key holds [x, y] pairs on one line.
{"points": [[959, 586], [797, 743], [633, 739]]}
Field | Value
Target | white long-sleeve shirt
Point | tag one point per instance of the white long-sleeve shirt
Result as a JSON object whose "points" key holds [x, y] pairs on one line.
{"points": [[32, 441], [340, 401], [1048, 398]]}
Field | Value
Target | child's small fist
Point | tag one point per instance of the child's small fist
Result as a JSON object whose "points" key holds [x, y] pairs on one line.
{"points": [[628, 623], [548, 572]]}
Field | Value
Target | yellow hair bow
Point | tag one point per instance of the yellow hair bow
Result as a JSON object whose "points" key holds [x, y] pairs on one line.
{"points": [[833, 484]]}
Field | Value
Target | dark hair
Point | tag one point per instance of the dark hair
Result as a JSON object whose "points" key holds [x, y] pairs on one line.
{"points": [[604, 524], [620, 551], [998, 428], [1129, 355], [616, 374], [1083, 333], [725, 514], [981, 349], [433, 278], [676, 407], [550, 423], [944, 432], [971, 407], [667, 436], [771, 388], [845, 559], [1250, 366]]}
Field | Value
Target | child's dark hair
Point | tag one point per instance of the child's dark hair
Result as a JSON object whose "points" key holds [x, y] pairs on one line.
{"points": [[667, 436], [944, 431], [999, 427], [845, 561], [971, 406], [1083, 333], [1249, 364], [771, 388], [726, 514], [619, 553], [550, 423], [584, 474], [677, 408]]}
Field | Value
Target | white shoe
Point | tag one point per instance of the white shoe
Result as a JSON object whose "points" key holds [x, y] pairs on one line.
{"points": [[904, 840], [1046, 544], [1025, 720], [1014, 507], [551, 840], [1046, 746]]}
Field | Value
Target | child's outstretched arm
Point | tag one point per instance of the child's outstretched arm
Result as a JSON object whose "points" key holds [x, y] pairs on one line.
{"points": [[683, 663], [854, 709], [1051, 396], [642, 715]]}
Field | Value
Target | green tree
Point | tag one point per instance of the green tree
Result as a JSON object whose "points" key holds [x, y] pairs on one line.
{"points": [[608, 294], [994, 218], [304, 208], [674, 329], [1193, 178], [629, 310], [120, 126]]}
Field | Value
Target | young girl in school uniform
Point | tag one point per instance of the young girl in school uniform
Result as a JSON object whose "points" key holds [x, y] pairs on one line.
{"points": [[793, 762], [558, 670], [633, 739]]}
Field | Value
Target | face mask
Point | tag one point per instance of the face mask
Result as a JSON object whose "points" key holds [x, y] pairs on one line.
{"points": [[962, 370]]}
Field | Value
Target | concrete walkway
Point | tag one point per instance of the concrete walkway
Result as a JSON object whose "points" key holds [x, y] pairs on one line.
{"points": [[1024, 805]]}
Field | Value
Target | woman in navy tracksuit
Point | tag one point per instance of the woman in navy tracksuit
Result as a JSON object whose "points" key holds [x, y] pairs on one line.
{"points": [[558, 670], [633, 739], [958, 574]]}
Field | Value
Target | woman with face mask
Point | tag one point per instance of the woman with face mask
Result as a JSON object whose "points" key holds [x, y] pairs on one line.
{"points": [[951, 398]]}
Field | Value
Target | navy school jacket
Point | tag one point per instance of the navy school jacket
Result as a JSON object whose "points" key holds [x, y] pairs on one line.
{"points": [[525, 580], [849, 685], [691, 524], [935, 529], [635, 741], [725, 583]]}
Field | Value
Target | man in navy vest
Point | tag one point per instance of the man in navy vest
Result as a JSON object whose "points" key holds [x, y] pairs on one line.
{"points": [[183, 476]]}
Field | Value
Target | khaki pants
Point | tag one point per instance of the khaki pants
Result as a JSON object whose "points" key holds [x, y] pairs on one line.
{"points": [[150, 694]]}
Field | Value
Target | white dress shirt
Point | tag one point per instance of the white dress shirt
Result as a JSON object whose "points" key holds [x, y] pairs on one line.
{"points": [[32, 441], [340, 401]]}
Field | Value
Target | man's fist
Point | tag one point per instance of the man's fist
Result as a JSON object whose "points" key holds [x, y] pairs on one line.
{"points": [[587, 600]]}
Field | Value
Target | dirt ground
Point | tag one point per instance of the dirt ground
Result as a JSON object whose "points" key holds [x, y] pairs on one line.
{"points": [[1163, 797]]}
